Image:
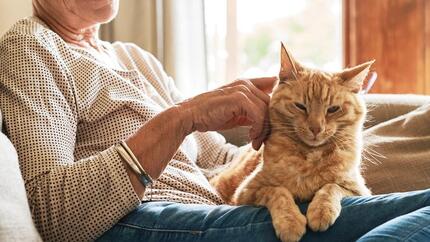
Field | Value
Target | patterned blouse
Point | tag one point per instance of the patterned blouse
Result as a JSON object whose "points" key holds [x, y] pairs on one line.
{"points": [[64, 111]]}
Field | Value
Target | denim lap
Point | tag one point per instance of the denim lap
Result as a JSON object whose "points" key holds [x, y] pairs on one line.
{"points": [[166, 221], [414, 226]]}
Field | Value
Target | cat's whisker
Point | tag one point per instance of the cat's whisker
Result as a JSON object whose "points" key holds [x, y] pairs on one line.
{"points": [[339, 142], [374, 155], [369, 157]]}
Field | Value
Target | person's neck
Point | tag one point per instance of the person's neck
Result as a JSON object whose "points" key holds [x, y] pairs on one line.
{"points": [[85, 36]]}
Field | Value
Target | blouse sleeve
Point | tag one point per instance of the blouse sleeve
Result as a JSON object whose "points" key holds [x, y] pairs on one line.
{"points": [[70, 200], [161, 76]]}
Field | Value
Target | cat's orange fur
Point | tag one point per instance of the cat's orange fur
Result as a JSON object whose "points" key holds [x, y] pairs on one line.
{"points": [[313, 153], [229, 180]]}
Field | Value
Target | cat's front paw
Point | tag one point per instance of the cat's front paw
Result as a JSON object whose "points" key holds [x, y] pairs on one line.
{"points": [[322, 215], [291, 227]]}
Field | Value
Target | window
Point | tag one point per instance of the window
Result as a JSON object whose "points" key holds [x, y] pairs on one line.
{"points": [[243, 36]]}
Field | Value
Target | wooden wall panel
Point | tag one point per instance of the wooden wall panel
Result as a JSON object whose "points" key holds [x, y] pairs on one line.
{"points": [[396, 34], [427, 48]]}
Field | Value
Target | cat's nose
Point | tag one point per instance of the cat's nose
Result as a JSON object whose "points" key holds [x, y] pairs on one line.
{"points": [[315, 130]]}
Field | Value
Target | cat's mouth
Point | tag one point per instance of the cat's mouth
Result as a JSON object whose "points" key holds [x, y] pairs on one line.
{"points": [[314, 141]]}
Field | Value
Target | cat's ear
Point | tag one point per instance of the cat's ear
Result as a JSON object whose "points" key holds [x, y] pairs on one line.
{"points": [[353, 77], [289, 67]]}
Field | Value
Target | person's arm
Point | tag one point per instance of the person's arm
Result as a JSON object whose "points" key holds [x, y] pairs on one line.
{"points": [[70, 199], [155, 143], [213, 149], [226, 107]]}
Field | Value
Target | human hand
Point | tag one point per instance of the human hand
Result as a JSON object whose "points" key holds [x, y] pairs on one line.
{"points": [[240, 103], [265, 84]]}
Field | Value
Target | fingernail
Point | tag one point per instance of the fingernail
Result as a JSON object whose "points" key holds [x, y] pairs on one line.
{"points": [[256, 146]]}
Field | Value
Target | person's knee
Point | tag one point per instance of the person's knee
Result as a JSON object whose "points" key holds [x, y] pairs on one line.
{"points": [[414, 226]]}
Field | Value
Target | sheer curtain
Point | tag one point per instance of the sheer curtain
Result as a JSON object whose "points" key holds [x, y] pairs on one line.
{"points": [[12, 11], [172, 30]]}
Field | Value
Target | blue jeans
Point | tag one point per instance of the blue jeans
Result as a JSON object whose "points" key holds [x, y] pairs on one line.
{"points": [[392, 217]]}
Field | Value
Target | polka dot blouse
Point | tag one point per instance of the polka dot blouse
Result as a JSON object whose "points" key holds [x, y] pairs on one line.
{"points": [[64, 110]]}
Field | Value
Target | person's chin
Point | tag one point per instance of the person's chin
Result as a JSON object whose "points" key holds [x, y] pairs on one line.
{"points": [[105, 13], [99, 4]]}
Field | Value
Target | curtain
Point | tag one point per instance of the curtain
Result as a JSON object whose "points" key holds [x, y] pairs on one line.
{"points": [[12, 11], [172, 30]]}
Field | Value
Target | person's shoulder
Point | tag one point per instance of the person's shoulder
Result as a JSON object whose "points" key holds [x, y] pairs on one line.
{"points": [[31, 37], [30, 31], [30, 26], [131, 49]]}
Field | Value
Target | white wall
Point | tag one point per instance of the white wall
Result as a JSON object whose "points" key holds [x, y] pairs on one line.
{"points": [[11, 11]]}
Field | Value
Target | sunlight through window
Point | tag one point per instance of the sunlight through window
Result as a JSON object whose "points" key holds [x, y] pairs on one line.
{"points": [[243, 36]]}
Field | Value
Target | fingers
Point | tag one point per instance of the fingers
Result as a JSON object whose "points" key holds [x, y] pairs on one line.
{"points": [[254, 109], [261, 100], [260, 94], [254, 103], [255, 90], [265, 84], [237, 121], [257, 142]]}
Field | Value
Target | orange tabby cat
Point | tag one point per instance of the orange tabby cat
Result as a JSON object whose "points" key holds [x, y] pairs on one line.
{"points": [[313, 152]]}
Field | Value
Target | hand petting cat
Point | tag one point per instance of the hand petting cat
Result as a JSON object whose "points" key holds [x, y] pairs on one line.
{"points": [[240, 103]]}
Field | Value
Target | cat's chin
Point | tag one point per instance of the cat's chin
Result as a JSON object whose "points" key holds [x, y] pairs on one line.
{"points": [[314, 143]]}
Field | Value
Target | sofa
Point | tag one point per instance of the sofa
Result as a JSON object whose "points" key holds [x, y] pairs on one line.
{"points": [[15, 217], [383, 177]]}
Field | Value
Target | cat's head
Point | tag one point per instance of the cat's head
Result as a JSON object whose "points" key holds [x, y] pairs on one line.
{"points": [[317, 107]]}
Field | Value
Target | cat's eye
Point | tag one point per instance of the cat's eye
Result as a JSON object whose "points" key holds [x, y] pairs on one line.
{"points": [[333, 109], [300, 106]]}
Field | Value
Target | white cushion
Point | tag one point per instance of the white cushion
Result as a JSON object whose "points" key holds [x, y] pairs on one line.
{"points": [[16, 223]]}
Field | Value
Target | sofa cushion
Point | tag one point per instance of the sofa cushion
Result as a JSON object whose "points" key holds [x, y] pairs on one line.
{"points": [[397, 151], [16, 223]]}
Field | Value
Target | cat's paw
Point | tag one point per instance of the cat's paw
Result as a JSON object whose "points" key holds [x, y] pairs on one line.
{"points": [[322, 215], [290, 228]]}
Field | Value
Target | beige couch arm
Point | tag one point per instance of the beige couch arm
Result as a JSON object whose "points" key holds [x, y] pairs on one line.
{"points": [[383, 107]]}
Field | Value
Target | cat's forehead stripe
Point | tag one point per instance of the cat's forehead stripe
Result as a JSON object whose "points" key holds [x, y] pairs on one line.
{"points": [[285, 96], [324, 93]]}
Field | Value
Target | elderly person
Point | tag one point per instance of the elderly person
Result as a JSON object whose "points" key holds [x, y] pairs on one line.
{"points": [[70, 98]]}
